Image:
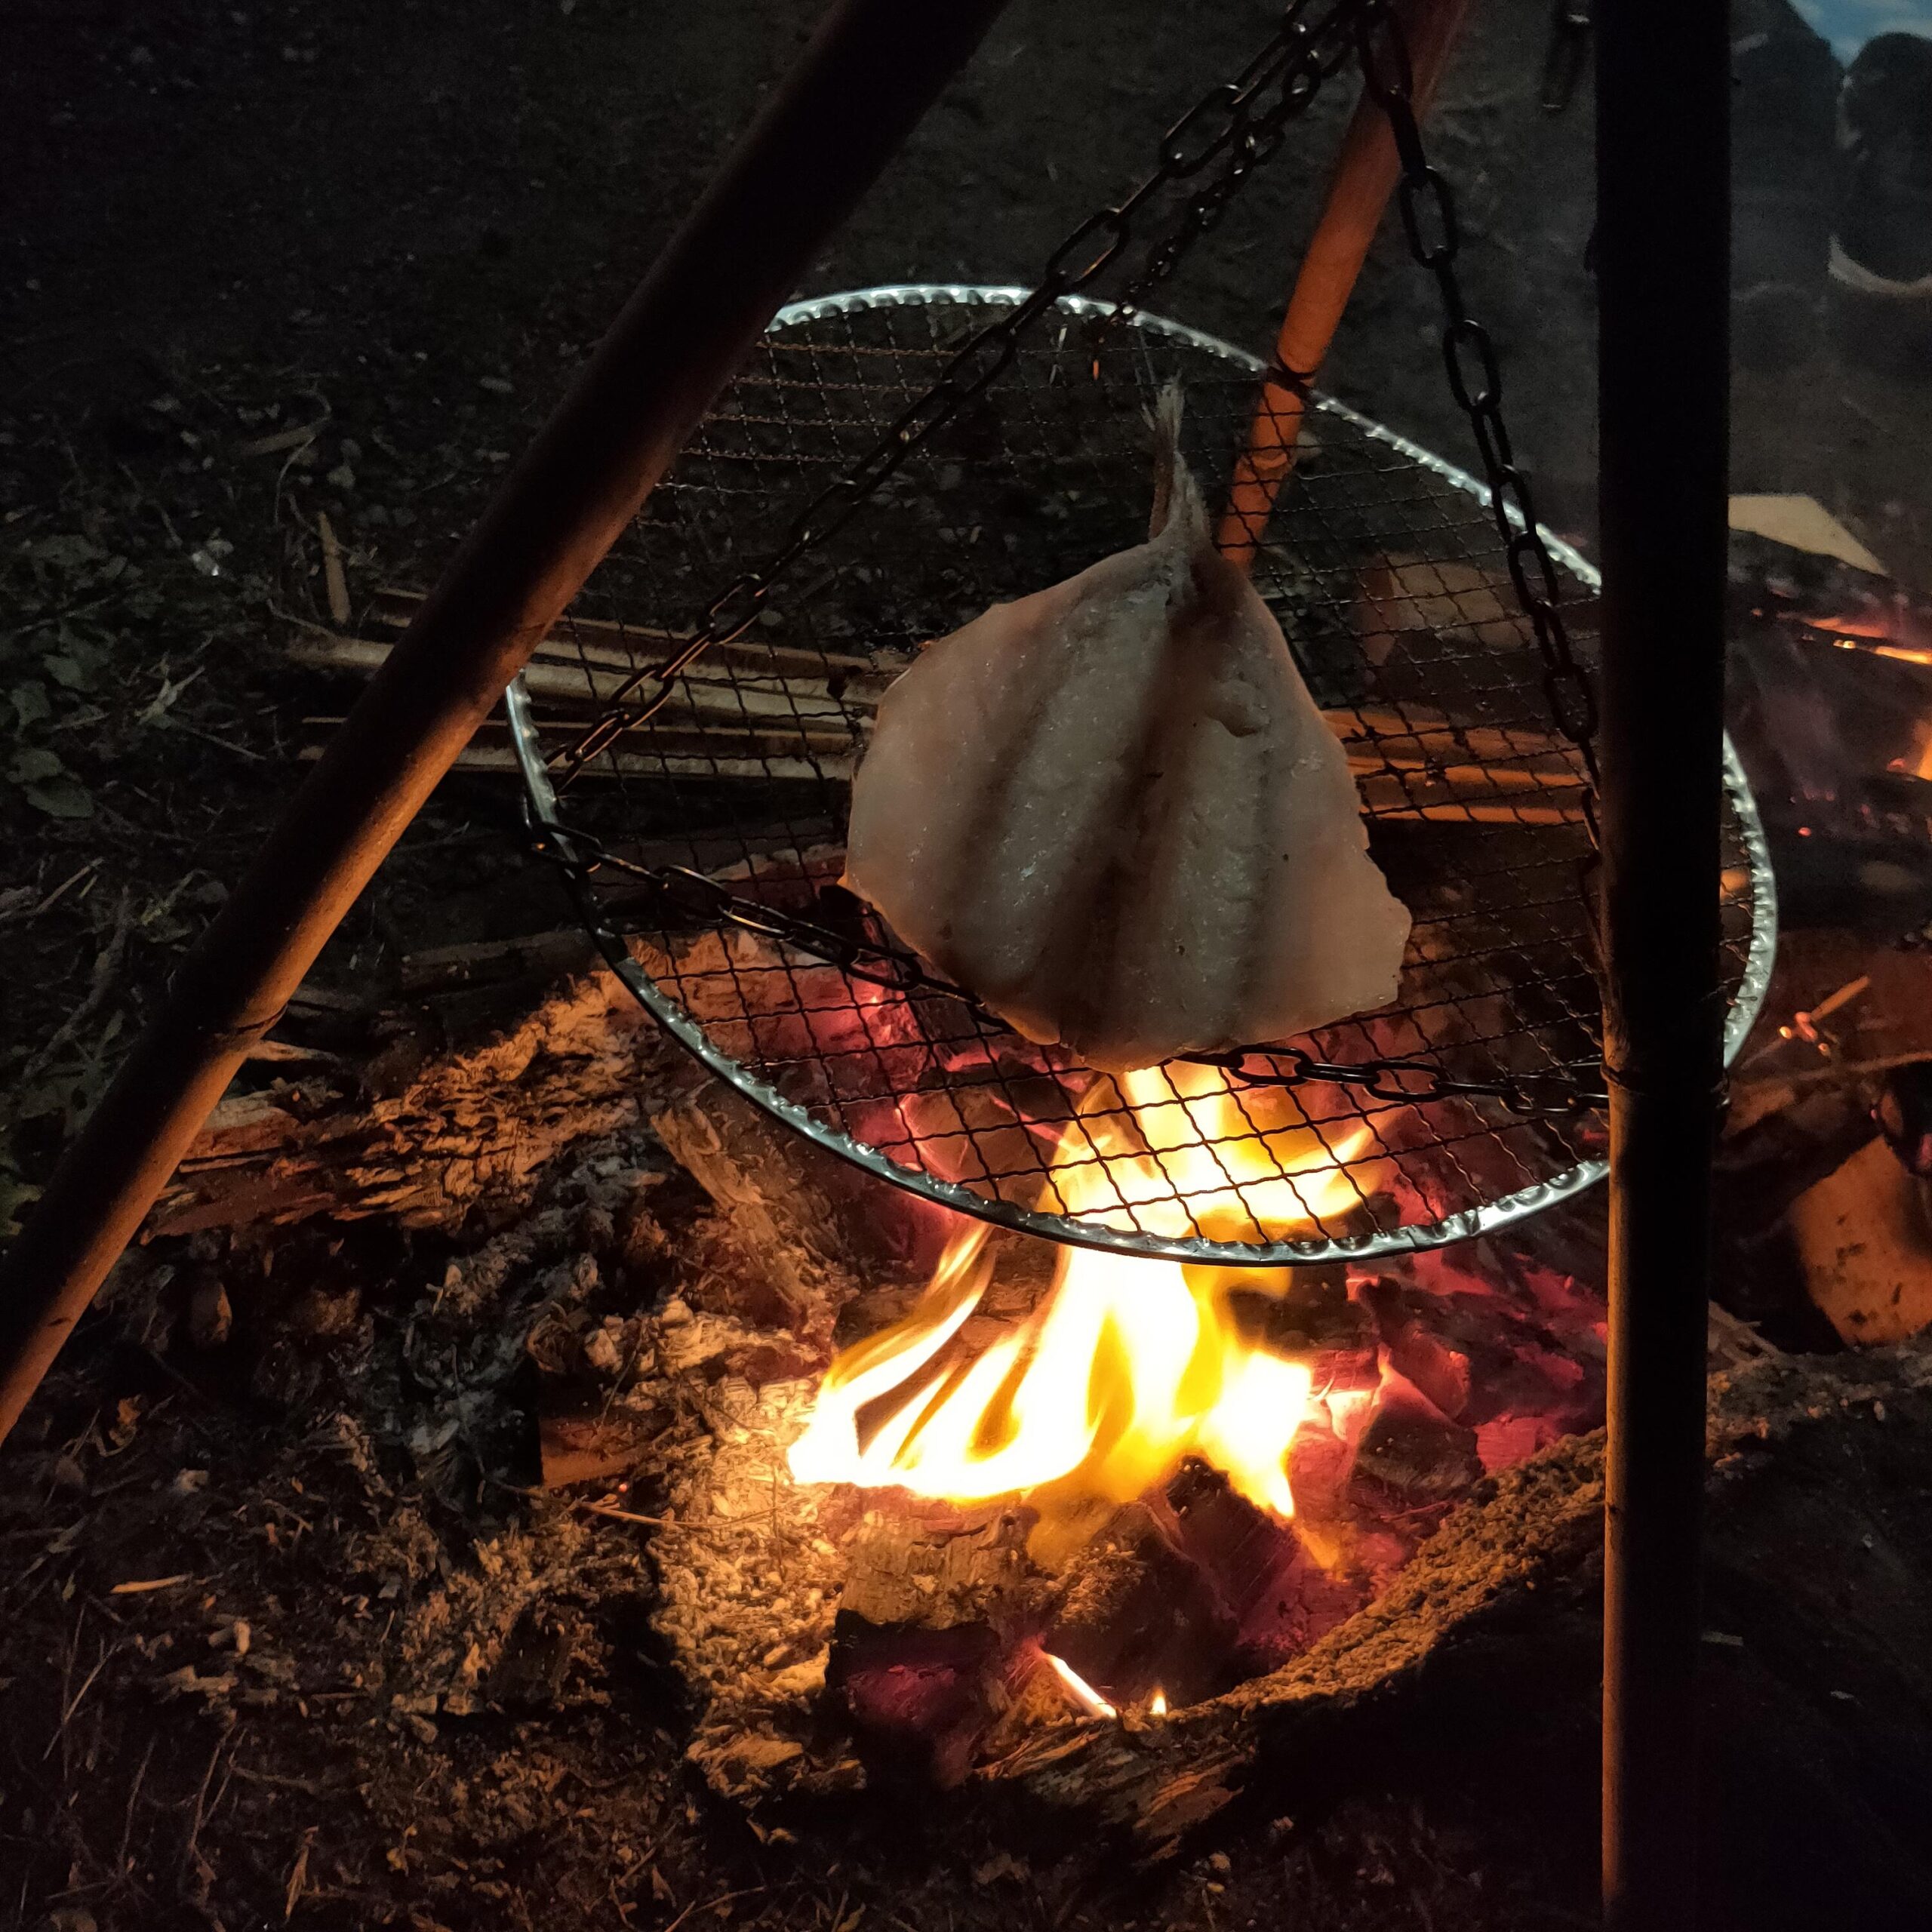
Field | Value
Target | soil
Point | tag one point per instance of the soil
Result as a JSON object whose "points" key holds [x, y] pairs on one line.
{"points": [[399, 226], [292, 1627]]}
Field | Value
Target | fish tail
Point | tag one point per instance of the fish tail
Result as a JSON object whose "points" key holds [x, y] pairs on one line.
{"points": [[1176, 496]]}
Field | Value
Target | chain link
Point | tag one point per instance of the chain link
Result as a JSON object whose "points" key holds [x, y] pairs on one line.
{"points": [[1435, 238], [677, 890], [1232, 130]]}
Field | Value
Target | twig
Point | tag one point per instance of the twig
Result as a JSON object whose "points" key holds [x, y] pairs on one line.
{"points": [[335, 579], [710, 1905], [107, 966], [149, 1583], [55, 897], [668, 1523], [134, 1793], [283, 439], [190, 1849], [74, 1703], [298, 1874]]}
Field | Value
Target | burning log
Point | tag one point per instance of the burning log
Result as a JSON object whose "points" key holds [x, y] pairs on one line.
{"points": [[1149, 1771], [1145, 1574], [838, 1641], [1828, 594], [1863, 1236], [826, 1226], [1432, 1637]]}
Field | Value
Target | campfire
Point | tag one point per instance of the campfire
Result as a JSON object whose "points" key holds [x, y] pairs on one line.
{"points": [[1049, 1486], [1128, 1365]]}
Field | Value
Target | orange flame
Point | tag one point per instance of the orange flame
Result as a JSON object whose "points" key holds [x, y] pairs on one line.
{"points": [[1077, 1687], [1127, 1364]]}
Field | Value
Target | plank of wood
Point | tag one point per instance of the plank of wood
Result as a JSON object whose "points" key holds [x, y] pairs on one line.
{"points": [[397, 607], [799, 707], [472, 1129], [621, 765]]}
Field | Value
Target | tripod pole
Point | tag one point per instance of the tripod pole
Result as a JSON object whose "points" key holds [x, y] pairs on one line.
{"points": [[857, 92], [1663, 80]]}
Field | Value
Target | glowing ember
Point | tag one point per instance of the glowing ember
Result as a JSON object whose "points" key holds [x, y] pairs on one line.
{"points": [[1082, 1692], [1127, 1364]]}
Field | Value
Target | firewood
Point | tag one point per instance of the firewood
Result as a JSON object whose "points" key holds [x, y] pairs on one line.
{"points": [[1513, 1550], [735, 733], [823, 1226], [500, 758], [807, 702], [632, 646], [795, 705], [470, 1131], [703, 726], [1138, 1614], [1460, 603], [589, 1448]]}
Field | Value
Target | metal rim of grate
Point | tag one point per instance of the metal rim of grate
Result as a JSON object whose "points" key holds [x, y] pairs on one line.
{"points": [[1384, 562]]}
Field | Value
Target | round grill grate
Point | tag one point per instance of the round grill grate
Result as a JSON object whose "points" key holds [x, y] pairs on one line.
{"points": [[1385, 567]]}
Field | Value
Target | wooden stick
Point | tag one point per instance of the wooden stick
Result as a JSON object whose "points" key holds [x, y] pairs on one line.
{"points": [[793, 714], [1467, 798], [791, 706], [334, 577], [500, 758], [1389, 788], [591, 637], [1366, 173], [1476, 813]]}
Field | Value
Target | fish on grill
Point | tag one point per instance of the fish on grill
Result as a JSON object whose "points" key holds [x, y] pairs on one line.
{"points": [[1112, 811]]}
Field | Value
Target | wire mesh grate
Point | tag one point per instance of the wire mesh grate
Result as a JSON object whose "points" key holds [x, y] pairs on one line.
{"points": [[1387, 571]]}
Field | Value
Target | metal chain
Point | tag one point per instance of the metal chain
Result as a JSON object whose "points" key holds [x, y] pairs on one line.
{"points": [[678, 890], [1435, 238], [1239, 124]]}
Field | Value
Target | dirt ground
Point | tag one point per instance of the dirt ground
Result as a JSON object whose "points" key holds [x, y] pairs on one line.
{"points": [[399, 224]]}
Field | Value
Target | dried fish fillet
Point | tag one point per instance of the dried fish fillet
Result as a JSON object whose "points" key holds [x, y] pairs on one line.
{"points": [[1112, 811]]}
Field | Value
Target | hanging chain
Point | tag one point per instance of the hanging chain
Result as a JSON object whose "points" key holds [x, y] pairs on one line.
{"points": [[1435, 238], [1238, 126], [679, 891], [1233, 130]]}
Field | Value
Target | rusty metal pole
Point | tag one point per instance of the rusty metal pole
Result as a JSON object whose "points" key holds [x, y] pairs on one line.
{"points": [[855, 94], [1367, 169], [1663, 80]]}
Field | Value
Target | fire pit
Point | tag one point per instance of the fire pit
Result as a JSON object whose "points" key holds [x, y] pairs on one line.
{"points": [[1110, 1476], [1055, 1487]]}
